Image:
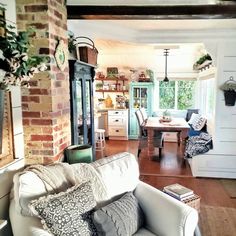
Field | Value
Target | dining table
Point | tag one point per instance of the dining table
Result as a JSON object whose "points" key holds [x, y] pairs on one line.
{"points": [[178, 125]]}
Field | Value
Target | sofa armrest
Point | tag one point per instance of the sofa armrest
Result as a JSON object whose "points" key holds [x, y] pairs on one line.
{"points": [[25, 225], [165, 215]]}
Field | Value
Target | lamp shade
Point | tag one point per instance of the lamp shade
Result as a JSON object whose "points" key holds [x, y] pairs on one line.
{"points": [[166, 52], [166, 79]]}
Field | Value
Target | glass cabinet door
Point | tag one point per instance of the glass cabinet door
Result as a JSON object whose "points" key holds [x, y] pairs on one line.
{"points": [[139, 97], [88, 112], [81, 91], [143, 97], [136, 97], [79, 111]]}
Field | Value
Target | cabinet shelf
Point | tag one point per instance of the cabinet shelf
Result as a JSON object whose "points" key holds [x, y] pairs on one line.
{"points": [[111, 91], [113, 79]]}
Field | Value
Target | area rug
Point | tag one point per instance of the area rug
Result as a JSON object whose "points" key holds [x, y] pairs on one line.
{"points": [[217, 221], [230, 186]]}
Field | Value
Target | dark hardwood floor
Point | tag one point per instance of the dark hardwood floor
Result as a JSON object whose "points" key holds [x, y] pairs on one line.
{"points": [[172, 168]]}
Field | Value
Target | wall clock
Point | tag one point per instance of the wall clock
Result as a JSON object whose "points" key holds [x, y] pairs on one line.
{"points": [[61, 55]]}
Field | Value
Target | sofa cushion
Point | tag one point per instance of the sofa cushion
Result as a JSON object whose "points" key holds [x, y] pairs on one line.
{"points": [[119, 173], [38, 180], [67, 213], [27, 186], [121, 217], [193, 132]]}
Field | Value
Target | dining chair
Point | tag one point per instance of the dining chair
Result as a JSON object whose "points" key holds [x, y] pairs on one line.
{"points": [[144, 113], [141, 123], [190, 112], [158, 138]]}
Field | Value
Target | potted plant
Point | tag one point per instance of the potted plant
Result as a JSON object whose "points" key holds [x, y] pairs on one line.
{"points": [[17, 66], [202, 62], [166, 116], [72, 45], [229, 89]]}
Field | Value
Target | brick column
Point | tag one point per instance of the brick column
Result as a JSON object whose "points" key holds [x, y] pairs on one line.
{"points": [[46, 107]]}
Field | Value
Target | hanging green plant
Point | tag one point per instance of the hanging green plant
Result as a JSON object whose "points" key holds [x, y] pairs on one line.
{"points": [[17, 67], [71, 42], [229, 89], [202, 61], [229, 85]]}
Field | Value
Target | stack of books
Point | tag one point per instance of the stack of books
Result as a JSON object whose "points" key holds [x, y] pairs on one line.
{"points": [[179, 192]]}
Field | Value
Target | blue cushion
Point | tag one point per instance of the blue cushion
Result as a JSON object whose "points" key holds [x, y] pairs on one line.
{"points": [[193, 132]]}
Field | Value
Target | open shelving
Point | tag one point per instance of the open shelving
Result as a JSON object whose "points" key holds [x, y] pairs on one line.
{"points": [[116, 80]]}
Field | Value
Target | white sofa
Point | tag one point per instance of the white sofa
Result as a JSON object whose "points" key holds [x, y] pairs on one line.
{"points": [[111, 177]]}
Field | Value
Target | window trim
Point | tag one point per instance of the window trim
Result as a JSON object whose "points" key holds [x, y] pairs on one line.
{"points": [[176, 94]]}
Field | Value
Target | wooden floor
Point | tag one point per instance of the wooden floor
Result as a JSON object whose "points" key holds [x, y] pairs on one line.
{"points": [[172, 168]]}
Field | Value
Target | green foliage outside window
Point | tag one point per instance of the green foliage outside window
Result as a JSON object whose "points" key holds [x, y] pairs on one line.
{"points": [[185, 97], [167, 95], [184, 90]]}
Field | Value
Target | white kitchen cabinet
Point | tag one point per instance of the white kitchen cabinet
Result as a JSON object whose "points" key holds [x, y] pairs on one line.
{"points": [[118, 124]]}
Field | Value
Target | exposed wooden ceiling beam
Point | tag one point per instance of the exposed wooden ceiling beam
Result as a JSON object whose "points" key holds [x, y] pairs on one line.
{"points": [[219, 11]]}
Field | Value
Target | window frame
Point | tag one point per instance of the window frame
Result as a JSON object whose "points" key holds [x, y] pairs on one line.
{"points": [[176, 89]]}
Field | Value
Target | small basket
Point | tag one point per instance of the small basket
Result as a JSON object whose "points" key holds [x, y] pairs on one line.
{"points": [[193, 202], [86, 50]]}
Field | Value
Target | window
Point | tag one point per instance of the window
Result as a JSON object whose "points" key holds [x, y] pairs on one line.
{"points": [[177, 95], [167, 95], [207, 96]]}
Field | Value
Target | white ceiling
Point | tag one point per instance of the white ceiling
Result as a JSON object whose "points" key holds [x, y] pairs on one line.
{"points": [[117, 39], [177, 24]]}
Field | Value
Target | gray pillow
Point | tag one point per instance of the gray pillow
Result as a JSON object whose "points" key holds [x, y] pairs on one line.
{"points": [[67, 213], [120, 218]]}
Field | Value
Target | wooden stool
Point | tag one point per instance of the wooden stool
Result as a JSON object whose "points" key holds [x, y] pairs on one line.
{"points": [[100, 140]]}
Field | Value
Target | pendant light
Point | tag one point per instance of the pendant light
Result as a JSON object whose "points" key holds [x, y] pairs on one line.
{"points": [[166, 53]]}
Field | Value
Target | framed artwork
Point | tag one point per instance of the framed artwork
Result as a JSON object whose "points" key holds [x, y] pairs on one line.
{"points": [[112, 71]]}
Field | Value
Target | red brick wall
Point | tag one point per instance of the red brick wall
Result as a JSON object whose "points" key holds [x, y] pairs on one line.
{"points": [[46, 108]]}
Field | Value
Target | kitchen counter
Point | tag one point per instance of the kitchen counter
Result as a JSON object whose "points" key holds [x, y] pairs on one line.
{"points": [[111, 109]]}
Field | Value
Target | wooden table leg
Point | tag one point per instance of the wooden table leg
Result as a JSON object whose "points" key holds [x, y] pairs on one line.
{"points": [[184, 135], [150, 133], [178, 138]]}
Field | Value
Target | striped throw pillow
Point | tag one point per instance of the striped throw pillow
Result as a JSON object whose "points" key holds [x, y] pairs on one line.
{"points": [[198, 123]]}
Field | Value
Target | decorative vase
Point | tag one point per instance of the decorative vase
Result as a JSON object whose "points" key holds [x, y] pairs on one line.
{"points": [[79, 153], [230, 97]]}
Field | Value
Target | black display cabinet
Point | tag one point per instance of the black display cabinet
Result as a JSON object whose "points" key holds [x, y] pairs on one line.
{"points": [[82, 107]]}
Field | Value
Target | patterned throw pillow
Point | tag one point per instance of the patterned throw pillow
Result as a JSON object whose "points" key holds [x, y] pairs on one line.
{"points": [[198, 123], [121, 217], [67, 213], [193, 117]]}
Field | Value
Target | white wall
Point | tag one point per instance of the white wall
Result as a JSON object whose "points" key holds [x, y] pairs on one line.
{"points": [[6, 173], [221, 161]]}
